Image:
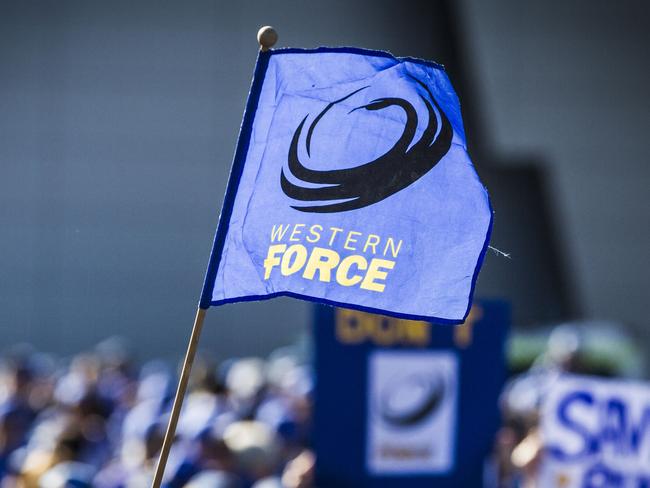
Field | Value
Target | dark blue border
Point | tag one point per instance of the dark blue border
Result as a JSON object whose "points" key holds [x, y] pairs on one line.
{"points": [[380, 311], [243, 142], [241, 151], [481, 257], [358, 50]]}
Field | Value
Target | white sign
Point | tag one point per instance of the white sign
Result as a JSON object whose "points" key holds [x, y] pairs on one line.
{"points": [[412, 405], [596, 434]]}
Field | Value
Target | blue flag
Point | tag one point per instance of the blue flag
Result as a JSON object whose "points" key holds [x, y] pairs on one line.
{"points": [[351, 186]]}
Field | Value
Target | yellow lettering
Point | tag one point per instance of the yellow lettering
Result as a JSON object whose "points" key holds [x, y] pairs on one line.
{"points": [[342, 276], [354, 327], [349, 327], [321, 260], [335, 230], [314, 233], [393, 250], [372, 241], [384, 331], [297, 230], [351, 240], [279, 232], [417, 332], [300, 253], [375, 273], [272, 260]]}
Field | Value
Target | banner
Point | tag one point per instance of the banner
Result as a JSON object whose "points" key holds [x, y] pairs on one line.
{"points": [[596, 434], [412, 406], [405, 404], [352, 186]]}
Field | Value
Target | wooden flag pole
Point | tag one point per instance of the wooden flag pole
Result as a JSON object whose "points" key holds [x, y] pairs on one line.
{"points": [[180, 395], [266, 37]]}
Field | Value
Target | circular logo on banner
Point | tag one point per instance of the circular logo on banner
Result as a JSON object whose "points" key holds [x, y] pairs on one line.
{"points": [[411, 399], [370, 182]]}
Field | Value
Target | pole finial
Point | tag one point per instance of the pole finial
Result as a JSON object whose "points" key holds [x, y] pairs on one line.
{"points": [[267, 36]]}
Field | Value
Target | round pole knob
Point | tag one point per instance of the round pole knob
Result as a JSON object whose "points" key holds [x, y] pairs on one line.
{"points": [[267, 36]]}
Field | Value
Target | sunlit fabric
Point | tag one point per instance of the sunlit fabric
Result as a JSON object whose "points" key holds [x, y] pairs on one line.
{"points": [[352, 185]]}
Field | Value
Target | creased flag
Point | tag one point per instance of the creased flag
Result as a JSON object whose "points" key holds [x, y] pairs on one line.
{"points": [[351, 185]]}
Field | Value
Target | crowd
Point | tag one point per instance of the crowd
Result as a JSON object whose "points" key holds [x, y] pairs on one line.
{"points": [[96, 421], [589, 348]]}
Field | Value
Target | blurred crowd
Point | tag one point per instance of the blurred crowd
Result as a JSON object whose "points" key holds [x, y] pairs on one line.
{"points": [[537, 360], [95, 420]]}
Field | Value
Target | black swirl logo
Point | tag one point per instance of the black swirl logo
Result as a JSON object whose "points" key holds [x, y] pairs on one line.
{"points": [[371, 182]]}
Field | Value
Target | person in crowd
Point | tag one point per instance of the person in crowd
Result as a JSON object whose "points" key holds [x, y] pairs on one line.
{"points": [[94, 420], [586, 348]]}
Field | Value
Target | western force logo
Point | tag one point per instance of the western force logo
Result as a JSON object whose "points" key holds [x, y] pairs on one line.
{"points": [[371, 182], [410, 400]]}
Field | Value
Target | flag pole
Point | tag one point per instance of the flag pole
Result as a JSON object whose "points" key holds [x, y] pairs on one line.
{"points": [[180, 395], [266, 37]]}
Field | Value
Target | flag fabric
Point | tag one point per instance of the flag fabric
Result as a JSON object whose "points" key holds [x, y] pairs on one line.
{"points": [[351, 185]]}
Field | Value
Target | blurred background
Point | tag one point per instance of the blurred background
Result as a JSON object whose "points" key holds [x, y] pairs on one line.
{"points": [[118, 121]]}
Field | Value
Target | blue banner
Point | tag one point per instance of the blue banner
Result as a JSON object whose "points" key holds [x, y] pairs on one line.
{"points": [[404, 404], [352, 185]]}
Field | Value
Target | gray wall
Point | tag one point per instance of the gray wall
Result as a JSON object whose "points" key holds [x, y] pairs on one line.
{"points": [[568, 81], [118, 123], [119, 119]]}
